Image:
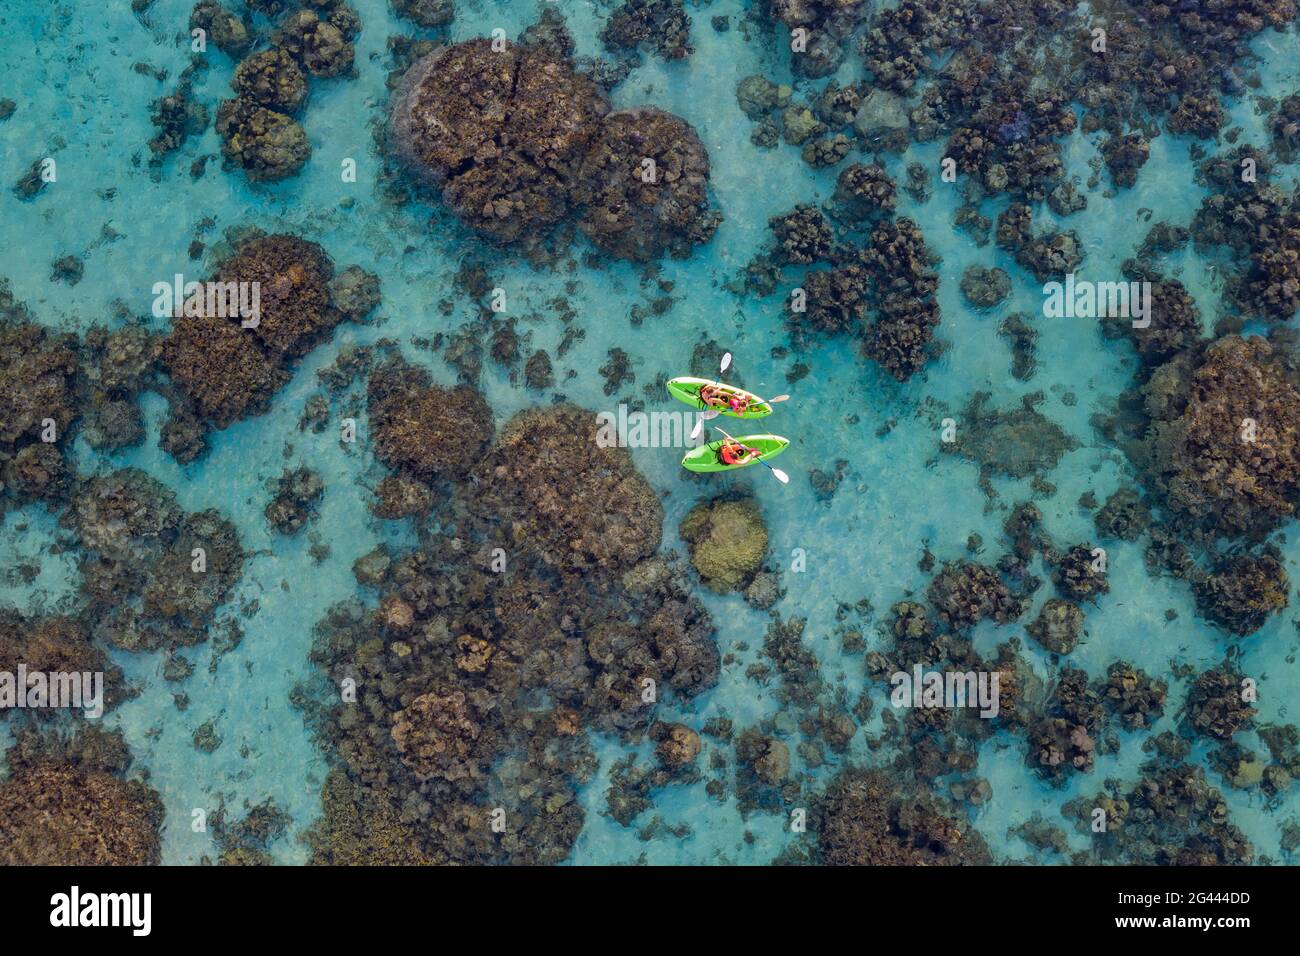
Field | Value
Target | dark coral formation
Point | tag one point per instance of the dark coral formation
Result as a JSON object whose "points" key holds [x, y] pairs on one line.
{"points": [[1219, 703], [866, 821], [535, 612], [1130, 694], [55, 389], [864, 191], [153, 575], [322, 47], [1286, 128], [297, 493], [1173, 325], [578, 504], [246, 841], [530, 102], [965, 593], [225, 368], [427, 13], [68, 803], [1224, 450], [228, 32], [1064, 738], [1018, 442], [1124, 516], [423, 431], [38, 408], [903, 294], [177, 116], [533, 143], [1241, 593], [1125, 156], [824, 27], [661, 25], [258, 132], [265, 144], [985, 287], [642, 185], [1080, 573], [56, 645], [271, 78], [1058, 626], [1261, 226], [1171, 817]]}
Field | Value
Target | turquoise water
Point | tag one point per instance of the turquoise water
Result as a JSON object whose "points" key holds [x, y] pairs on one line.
{"points": [[69, 69]]}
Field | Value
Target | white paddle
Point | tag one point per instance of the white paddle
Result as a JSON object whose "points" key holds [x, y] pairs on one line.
{"points": [[711, 413], [781, 476]]}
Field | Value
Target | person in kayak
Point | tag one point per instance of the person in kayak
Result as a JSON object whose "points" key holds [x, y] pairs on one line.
{"points": [[739, 404], [712, 397], [733, 453]]}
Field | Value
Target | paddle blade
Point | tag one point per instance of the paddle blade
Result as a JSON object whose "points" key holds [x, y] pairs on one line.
{"points": [[726, 362], [781, 476], [699, 427], [779, 398]]}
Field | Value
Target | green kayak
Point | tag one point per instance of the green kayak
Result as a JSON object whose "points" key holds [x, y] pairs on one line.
{"points": [[705, 458], [687, 389]]}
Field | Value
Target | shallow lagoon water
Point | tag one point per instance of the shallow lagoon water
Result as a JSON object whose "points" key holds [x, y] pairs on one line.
{"points": [[69, 69]]}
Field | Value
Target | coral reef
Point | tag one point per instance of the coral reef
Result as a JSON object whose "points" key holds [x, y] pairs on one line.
{"points": [[534, 143], [536, 584], [1058, 626], [525, 98], [153, 575], [727, 540], [867, 821], [985, 287], [642, 185], [659, 24], [426, 432], [964, 593], [1080, 573], [226, 367], [578, 504], [38, 409], [266, 145], [1223, 449], [297, 493], [77, 808], [1241, 593]]}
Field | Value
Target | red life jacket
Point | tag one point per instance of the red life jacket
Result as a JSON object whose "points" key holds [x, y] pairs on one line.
{"points": [[731, 453]]}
